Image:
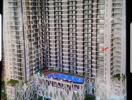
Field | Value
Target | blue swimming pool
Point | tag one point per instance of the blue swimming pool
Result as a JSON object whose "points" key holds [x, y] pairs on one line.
{"points": [[65, 77]]}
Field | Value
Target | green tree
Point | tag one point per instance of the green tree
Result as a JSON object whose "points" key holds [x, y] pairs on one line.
{"points": [[12, 82], [89, 97], [3, 96]]}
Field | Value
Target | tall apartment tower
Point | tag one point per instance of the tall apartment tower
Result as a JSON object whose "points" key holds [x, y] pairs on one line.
{"points": [[87, 37], [81, 37], [22, 38]]}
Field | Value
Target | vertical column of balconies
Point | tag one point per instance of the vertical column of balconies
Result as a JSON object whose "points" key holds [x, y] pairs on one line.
{"points": [[61, 38], [42, 34], [72, 34], [79, 38], [100, 38], [16, 57], [44, 31], [65, 37], [13, 46], [87, 28], [117, 33], [94, 38], [38, 34], [40, 54], [28, 32], [58, 32], [55, 34], [5, 55], [49, 12], [33, 36], [95, 22], [116, 36], [51, 34], [101, 70]]}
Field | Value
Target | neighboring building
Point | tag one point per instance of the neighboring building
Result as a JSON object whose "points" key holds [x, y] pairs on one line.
{"points": [[23, 45], [78, 37]]}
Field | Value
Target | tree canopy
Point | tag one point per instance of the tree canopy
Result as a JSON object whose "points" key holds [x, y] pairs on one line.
{"points": [[13, 82]]}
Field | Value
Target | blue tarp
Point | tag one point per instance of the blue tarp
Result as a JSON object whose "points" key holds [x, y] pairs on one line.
{"points": [[70, 78]]}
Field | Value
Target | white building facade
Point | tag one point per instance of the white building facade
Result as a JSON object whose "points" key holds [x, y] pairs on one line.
{"points": [[22, 39], [23, 47], [115, 57], [81, 37], [87, 37]]}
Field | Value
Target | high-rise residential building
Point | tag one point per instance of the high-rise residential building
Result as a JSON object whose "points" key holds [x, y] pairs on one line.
{"points": [[80, 37], [23, 45], [22, 38], [87, 37]]}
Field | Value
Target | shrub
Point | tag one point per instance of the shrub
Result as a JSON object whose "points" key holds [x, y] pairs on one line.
{"points": [[13, 82], [89, 97]]}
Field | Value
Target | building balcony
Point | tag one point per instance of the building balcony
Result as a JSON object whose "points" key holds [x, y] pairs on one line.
{"points": [[117, 6], [66, 68], [80, 71], [118, 11], [117, 1]]}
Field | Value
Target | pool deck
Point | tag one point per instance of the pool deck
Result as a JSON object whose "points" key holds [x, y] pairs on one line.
{"points": [[59, 76]]}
